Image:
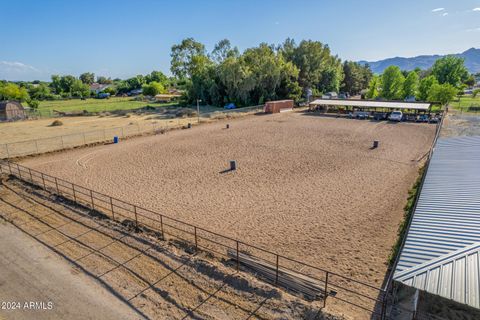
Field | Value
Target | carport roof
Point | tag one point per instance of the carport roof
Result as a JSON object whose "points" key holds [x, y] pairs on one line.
{"points": [[372, 104]]}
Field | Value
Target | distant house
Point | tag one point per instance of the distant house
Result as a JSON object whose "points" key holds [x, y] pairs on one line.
{"points": [[11, 111], [166, 97], [98, 87]]}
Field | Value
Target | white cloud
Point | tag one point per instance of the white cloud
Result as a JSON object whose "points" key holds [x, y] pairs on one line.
{"points": [[474, 30], [476, 9], [14, 71], [438, 9], [17, 66], [445, 14]]}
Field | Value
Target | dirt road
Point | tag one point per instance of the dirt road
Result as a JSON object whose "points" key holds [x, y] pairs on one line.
{"points": [[31, 273]]}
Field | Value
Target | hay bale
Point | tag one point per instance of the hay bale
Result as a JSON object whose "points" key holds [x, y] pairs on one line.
{"points": [[56, 123]]}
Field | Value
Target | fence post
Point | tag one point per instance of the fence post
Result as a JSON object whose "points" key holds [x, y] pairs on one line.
{"points": [[123, 135], [56, 184], [8, 152], [196, 242], [111, 207], [43, 181], [84, 140], [36, 145], [276, 272], [238, 260], [30, 172], [136, 219], [9, 167], [325, 293], [73, 190], [161, 227], [91, 198], [63, 145]]}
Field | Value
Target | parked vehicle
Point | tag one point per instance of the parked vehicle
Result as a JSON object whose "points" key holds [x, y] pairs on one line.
{"points": [[423, 118], [230, 106], [434, 119], [410, 117], [396, 116], [359, 115], [103, 95], [380, 116]]}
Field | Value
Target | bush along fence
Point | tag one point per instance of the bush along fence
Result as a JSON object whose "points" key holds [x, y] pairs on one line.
{"points": [[303, 279], [43, 145]]}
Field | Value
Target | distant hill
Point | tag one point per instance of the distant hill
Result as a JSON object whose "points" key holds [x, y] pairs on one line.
{"points": [[471, 56]]}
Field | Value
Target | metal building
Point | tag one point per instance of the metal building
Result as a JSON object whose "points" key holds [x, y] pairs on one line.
{"points": [[441, 254]]}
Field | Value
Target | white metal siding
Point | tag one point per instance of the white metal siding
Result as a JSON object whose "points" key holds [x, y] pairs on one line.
{"points": [[442, 249]]}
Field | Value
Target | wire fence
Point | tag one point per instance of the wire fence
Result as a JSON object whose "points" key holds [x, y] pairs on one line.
{"points": [[345, 291], [55, 143]]}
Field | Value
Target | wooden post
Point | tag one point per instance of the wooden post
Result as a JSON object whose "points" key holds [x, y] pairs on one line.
{"points": [[36, 145], [56, 184], [238, 260], [63, 145], [8, 152], [196, 242], [161, 227], [73, 190], [325, 293], [43, 181], [91, 198], [30, 172], [84, 140], [10, 167], [111, 208], [136, 219], [276, 272]]}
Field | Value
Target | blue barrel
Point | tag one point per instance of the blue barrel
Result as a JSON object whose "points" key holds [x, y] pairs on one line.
{"points": [[115, 139]]}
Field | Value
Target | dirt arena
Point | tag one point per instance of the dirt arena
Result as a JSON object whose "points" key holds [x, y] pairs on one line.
{"points": [[308, 187]]}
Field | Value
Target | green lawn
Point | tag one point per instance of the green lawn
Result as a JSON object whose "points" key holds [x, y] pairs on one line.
{"points": [[94, 105], [466, 102]]}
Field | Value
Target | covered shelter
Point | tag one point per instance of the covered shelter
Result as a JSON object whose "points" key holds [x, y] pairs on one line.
{"points": [[11, 111], [439, 263], [373, 105]]}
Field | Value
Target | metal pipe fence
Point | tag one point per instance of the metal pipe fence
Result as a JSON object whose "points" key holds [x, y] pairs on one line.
{"points": [[337, 287], [56, 143]]}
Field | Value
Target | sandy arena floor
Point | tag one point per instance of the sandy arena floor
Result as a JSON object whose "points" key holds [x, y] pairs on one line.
{"points": [[308, 187]]}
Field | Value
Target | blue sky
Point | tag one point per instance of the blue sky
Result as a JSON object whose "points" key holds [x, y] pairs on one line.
{"points": [[124, 38]]}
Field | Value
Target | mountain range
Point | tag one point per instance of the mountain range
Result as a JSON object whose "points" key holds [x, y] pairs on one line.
{"points": [[471, 56]]}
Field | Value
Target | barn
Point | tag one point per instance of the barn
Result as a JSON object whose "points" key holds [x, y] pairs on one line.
{"points": [[11, 110]]}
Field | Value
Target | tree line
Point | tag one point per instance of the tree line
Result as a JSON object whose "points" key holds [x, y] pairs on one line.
{"points": [[259, 74], [441, 83], [262, 73]]}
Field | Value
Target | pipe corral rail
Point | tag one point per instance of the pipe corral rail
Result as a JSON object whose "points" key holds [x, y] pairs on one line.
{"points": [[343, 289]]}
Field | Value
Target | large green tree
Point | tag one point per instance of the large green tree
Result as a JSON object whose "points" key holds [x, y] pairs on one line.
{"points": [[443, 93], [410, 86], [450, 69], [424, 87], [87, 77], [357, 77], [185, 56], [392, 83], [11, 91]]}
